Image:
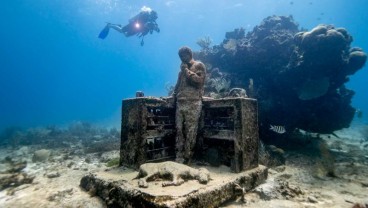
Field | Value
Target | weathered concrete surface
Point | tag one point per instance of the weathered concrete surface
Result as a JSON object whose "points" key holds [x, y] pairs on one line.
{"points": [[229, 126], [119, 188], [144, 120], [234, 120]]}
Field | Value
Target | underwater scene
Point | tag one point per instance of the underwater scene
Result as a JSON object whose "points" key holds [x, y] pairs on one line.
{"points": [[184, 103]]}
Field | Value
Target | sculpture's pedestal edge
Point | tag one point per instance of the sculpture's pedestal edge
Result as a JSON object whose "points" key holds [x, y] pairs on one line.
{"points": [[120, 193]]}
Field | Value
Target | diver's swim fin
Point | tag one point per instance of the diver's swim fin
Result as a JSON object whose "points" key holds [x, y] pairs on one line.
{"points": [[103, 34]]}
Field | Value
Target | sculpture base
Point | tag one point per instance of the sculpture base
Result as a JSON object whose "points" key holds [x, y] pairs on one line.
{"points": [[118, 187]]}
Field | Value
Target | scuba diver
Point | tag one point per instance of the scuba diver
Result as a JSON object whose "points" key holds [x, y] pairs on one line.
{"points": [[140, 25]]}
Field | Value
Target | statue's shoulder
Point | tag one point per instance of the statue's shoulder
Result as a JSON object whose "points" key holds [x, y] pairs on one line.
{"points": [[200, 65]]}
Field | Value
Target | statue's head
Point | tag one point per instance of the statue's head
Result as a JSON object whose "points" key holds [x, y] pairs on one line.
{"points": [[185, 54]]}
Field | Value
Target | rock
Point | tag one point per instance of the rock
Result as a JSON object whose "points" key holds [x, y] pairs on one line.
{"points": [[17, 167], [359, 205], [14, 180], [3, 168], [142, 183], [53, 174], [12, 167], [41, 155], [280, 168], [312, 199], [278, 189], [364, 184], [285, 176], [60, 194], [88, 160], [23, 151], [272, 171], [70, 164], [267, 191]]}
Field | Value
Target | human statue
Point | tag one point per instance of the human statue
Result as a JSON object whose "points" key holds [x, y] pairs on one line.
{"points": [[188, 94], [140, 25]]}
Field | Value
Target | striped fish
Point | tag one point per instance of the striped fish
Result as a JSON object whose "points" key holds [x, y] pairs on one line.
{"points": [[278, 129]]}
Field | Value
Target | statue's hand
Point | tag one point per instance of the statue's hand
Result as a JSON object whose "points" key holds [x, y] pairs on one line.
{"points": [[183, 66], [188, 72]]}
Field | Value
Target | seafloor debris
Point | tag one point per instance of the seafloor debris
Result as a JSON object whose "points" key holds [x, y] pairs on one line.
{"points": [[41, 155], [11, 174], [278, 188], [60, 194]]}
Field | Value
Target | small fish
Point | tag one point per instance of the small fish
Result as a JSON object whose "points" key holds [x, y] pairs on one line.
{"points": [[278, 129]]}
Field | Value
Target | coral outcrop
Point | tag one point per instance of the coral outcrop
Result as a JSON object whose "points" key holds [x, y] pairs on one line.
{"points": [[297, 76]]}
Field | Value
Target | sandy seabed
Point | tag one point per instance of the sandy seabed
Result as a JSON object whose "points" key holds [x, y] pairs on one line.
{"points": [[301, 182]]}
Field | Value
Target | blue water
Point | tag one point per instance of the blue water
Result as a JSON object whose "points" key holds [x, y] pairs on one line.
{"points": [[54, 69]]}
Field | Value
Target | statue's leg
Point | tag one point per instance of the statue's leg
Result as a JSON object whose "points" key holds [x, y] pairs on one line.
{"points": [[193, 111], [179, 121]]}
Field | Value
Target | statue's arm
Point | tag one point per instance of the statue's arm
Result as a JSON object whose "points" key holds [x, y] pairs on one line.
{"points": [[198, 76], [177, 84]]}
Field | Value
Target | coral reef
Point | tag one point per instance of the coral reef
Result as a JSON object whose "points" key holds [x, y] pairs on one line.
{"points": [[297, 76], [237, 92], [204, 43], [217, 84]]}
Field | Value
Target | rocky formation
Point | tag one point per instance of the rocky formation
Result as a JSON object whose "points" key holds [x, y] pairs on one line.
{"points": [[297, 76]]}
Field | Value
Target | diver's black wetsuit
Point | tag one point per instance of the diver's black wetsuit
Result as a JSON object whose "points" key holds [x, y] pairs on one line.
{"points": [[140, 25]]}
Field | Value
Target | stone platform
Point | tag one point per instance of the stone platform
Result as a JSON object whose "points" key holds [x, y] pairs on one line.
{"points": [[119, 188]]}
